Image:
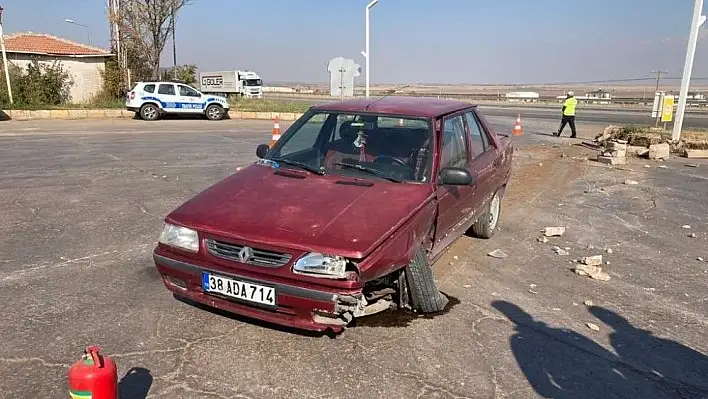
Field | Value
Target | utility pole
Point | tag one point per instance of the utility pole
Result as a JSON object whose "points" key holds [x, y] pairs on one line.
{"points": [[696, 23], [174, 44], [659, 73], [365, 53], [4, 60]]}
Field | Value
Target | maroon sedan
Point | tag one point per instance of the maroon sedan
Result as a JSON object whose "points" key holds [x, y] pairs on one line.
{"points": [[343, 216]]}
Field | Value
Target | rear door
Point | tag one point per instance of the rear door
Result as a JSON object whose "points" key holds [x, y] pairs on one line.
{"points": [[168, 97], [454, 202]]}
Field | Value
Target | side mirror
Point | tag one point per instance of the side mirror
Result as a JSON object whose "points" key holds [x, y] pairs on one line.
{"points": [[262, 151], [456, 177]]}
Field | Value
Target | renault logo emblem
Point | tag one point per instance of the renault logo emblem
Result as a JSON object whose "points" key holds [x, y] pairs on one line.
{"points": [[245, 254]]}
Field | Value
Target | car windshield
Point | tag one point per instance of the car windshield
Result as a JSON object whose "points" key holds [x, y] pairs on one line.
{"points": [[395, 148], [252, 82]]}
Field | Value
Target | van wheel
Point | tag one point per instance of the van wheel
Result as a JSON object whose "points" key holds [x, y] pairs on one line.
{"points": [[425, 296], [487, 223], [214, 112], [149, 112]]}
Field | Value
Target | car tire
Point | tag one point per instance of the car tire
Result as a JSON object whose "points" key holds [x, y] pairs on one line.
{"points": [[214, 112], [487, 223], [149, 112], [424, 294]]}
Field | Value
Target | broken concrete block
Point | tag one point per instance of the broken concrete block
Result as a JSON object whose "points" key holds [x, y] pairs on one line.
{"points": [[609, 160], [592, 271], [593, 326], [560, 251], [659, 151], [497, 253], [696, 153], [553, 231], [595, 260]]}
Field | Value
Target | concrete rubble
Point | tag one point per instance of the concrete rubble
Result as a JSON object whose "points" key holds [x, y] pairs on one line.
{"points": [[696, 153], [614, 152], [553, 231], [497, 253], [659, 151]]}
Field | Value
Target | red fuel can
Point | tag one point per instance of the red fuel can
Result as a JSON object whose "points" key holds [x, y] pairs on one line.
{"points": [[94, 376]]}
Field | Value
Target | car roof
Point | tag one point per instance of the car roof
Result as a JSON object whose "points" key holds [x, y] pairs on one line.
{"points": [[425, 107]]}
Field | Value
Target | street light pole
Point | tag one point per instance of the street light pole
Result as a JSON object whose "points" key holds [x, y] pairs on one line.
{"points": [[365, 53], [174, 45], [696, 23], [88, 30], [4, 61]]}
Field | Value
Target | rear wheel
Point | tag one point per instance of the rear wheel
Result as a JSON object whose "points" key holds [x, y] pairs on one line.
{"points": [[214, 112], [424, 293], [149, 112], [487, 223]]}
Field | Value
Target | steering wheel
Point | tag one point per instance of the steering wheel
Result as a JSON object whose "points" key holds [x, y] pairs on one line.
{"points": [[394, 159]]}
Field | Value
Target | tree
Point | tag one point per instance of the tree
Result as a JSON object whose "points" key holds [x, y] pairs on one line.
{"points": [[146, 25], [185, 73]]}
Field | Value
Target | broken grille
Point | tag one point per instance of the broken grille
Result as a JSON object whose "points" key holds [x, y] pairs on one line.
{"points": [[236, 253]]}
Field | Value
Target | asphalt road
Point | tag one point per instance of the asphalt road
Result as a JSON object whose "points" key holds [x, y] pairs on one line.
{"points": [[692, 120], [81, 205]]}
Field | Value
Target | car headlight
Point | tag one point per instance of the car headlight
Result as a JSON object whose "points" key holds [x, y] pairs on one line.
{"points": [[321, 265], [180, 237]]}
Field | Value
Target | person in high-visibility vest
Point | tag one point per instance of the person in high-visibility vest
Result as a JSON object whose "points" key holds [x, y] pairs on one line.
{"points": [[568, 115]]}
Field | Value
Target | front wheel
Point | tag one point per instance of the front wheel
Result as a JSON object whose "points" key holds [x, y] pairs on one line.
{"points": [[487, 223], [214, 112], [424, 294]]}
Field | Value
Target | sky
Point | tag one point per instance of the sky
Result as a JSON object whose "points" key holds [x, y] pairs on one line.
{"points": [[427, 41]]}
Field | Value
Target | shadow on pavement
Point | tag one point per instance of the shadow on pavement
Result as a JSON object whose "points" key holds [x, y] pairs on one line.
{"points": [[135, 384], [561, 363]]}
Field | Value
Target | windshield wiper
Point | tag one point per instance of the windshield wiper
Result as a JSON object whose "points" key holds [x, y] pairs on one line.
{"points": [[371, 171], [300, 165]]}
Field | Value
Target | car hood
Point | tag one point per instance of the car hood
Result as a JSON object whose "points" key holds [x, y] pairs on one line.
{"points": [[296, 210]]}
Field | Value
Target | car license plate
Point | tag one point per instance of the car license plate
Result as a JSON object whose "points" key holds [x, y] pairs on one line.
{"points": [[238, 289]]}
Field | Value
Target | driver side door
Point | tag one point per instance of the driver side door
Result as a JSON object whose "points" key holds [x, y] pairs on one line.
{"points": [[190, 100], [454, 202]]}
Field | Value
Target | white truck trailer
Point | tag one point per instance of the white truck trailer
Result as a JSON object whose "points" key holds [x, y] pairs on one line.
{"points": [[232, 83]]}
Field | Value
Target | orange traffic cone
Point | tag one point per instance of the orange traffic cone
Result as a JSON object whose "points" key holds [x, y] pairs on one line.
{"points": [[276, 132], [518, 130]]}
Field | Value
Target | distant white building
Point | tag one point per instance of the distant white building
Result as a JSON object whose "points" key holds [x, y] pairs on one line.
{"points": [[522, 96]]}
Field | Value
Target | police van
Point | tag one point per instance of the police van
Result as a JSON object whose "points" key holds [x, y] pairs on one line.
{"points": [[151, 100]]}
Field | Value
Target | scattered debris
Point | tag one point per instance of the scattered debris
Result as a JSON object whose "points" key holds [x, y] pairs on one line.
{"points": [[594, 272], [686, 226], [643, 152], [540, 164], [692, 165], [455, 257], [607, 263], [239, 168], [553, 231], [533, 292], [590, 246], [542, 239], [533, 285], [631, 182], [556, 309], [497, 253], [466, 286], [699, 259], [609, 250], [662, 166], [607, 133], [693, 235], [593, 326], [560, 251], [594, 260], [588, 302], [659, 151], [647, 166]]}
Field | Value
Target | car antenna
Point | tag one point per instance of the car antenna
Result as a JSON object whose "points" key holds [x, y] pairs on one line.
{"points": [[387, 95]]}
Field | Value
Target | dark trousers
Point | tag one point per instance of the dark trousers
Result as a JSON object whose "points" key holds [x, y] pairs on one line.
{"points": [[570, 120]]}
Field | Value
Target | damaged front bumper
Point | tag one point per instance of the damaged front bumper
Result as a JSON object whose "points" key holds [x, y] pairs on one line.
{"points": [[296, 306]]}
